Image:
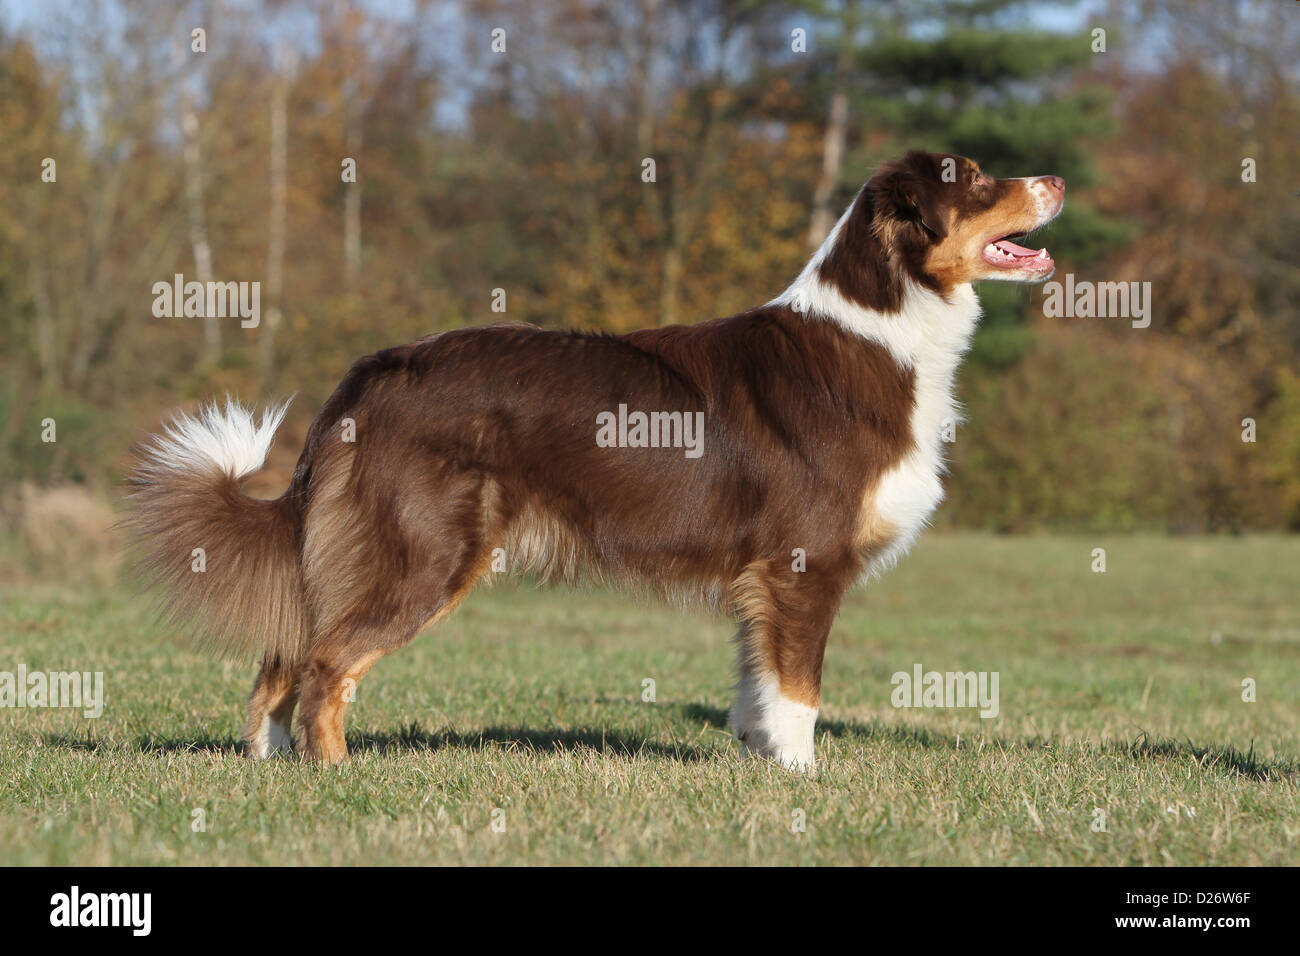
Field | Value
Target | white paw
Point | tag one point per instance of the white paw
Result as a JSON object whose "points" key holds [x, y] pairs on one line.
{"points": [[271, 738], [773, 726], [798, 758]]}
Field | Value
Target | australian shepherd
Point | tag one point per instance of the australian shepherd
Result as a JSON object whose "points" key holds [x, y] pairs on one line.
{"points": [[758, 464]]}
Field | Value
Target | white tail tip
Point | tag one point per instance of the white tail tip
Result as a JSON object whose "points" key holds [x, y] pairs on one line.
{"points": [[227, 440]]}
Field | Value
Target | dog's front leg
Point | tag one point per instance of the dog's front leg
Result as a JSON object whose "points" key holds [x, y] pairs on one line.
{"points": [[771, 724], [785, 620]]}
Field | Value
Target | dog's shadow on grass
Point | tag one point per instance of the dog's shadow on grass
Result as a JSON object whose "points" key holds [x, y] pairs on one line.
{"points": [[199, 742], [412, 737], [1224, 760]]}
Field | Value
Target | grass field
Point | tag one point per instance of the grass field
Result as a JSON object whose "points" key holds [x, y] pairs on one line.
{"points": [[1119, 692]]}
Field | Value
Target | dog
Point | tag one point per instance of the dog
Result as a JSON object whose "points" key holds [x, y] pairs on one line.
{"points": [[759, 464]]}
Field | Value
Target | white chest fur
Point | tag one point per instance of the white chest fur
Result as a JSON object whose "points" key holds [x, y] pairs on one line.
{"points": [[930, 336]]}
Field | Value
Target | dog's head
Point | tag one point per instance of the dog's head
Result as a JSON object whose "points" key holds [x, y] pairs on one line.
{"points": [[948, 223]]}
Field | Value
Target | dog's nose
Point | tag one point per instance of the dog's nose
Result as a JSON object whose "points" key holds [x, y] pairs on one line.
{"points": [[1056, 182]]}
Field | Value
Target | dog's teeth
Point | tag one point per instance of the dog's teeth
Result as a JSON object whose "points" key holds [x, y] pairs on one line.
{"points": [[1042, 253]]}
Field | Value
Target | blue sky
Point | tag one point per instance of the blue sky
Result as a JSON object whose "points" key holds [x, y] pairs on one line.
{"points": [[40, 19]]}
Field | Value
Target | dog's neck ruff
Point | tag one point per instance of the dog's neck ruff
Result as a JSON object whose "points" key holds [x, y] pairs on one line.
{"points": [[928, 334]]}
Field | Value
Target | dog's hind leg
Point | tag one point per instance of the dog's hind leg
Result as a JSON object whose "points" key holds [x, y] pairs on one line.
{"points": [[270, 710], [342, 657], [329, 683], [376, 577]]}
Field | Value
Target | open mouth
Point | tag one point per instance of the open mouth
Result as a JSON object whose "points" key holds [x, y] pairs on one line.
{"points": [[1006, 254]]}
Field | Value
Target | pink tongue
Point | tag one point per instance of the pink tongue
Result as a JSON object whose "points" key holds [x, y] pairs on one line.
{"points": [[1012, 249]]}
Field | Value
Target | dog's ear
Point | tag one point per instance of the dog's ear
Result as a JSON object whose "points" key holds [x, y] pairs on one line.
{"points": [[915, 198]]}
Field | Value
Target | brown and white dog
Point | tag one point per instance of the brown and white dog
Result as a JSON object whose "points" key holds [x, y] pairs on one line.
{"points": [[816, 462]]}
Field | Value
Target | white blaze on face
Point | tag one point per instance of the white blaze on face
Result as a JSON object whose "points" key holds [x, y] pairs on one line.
{"points": [[1049, 202]]}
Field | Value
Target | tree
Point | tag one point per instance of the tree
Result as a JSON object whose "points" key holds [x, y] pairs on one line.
{"points": [[967, 77]]}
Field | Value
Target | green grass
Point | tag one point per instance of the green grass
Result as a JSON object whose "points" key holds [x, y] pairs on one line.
{"points": [[1114, 695]]}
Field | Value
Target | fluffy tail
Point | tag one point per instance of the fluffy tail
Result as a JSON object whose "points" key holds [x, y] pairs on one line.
{"points": [[227, 563]]}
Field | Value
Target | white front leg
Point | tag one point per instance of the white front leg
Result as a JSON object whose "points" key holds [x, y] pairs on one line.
{"points": [[770, 724]]}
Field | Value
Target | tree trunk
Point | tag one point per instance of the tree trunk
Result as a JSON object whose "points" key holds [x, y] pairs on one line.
{"points": [[46, 332], [837, 124], [670, 287], [276, 227], [824, 214], [198, 226], [352, 204]]}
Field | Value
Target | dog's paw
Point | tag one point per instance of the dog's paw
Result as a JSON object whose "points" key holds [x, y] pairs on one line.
{"points": [[772, 726], [794, 759], [270, 738]]}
